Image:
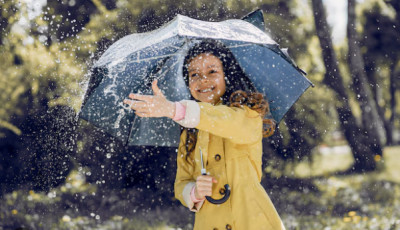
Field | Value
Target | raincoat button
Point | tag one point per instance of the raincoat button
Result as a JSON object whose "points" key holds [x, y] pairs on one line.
{"points": [[228, 227], [215, 228], [222, 191], [217, 157]]}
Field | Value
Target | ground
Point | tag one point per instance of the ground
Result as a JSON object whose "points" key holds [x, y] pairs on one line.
{"points": [[361, 201]]}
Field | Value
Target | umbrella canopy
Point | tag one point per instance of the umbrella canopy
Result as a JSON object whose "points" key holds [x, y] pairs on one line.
{"points": [[133, 62]]}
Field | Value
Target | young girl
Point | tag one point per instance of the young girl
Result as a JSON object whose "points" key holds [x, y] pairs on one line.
{"points": [[225, 123]]}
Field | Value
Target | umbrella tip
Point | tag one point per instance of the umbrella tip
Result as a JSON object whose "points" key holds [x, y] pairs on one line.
{"points": [[256, 18]]}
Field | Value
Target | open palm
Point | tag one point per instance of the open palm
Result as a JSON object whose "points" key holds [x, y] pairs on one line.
{"points": [[156, 105]]}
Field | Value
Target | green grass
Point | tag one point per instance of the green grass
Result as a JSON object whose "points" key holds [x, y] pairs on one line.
{"points": [[369, 201], [325, 164], [361, 201]]}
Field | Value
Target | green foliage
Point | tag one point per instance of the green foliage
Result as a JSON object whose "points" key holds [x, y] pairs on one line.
{"points": [[379, 45], [8, 11], [34, 76]]}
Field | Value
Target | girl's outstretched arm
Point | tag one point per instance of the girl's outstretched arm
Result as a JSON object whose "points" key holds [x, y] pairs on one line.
{"points": [[240, 125]]}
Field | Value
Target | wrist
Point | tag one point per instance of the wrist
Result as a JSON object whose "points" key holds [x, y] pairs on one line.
{"points": [[172, 109], [180, 111]]}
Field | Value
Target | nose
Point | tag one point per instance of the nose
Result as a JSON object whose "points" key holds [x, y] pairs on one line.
{"points": [[204, 78]]}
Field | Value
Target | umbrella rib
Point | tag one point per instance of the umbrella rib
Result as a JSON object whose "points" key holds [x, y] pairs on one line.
{"points": [[131, 129], [243, 45], [153, 58]]}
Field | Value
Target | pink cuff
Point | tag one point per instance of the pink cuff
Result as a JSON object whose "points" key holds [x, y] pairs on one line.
{"points": [[193, 197], [180, 111]]}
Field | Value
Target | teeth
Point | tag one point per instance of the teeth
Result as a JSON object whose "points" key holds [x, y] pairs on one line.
{"points": [[206, 90]]}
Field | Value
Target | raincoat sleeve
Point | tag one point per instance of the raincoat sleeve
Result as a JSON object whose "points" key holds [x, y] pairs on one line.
{"points": [[184, 180], [239, 125]]}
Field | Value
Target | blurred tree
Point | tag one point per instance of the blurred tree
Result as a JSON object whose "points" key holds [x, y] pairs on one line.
{"points": [[66, 18], [37, 124], [362, 137], [380, 38], [371, 121], [7, 9]]}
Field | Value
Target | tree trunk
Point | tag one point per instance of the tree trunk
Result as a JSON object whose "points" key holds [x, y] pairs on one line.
{"points": [[363, 152], [393, 86], [394, 73], [377, 94], [370, 119]]}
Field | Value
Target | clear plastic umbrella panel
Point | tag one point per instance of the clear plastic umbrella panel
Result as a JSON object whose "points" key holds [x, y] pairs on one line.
{"points": [[133, 62]]}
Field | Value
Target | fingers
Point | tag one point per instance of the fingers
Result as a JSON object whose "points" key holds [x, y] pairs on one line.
{"points": [[134, 103], [138, 105], [141, 108], [156, 90], [143, 114], [207, 178], [204, 185], [151, 105], [202, 192], [141, 97]]}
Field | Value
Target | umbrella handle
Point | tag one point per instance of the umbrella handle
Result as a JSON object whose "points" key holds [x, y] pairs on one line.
{"points": [[223, 199]]}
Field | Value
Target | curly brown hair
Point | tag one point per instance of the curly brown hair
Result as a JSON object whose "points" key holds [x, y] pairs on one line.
{"points": [[256, 102]]}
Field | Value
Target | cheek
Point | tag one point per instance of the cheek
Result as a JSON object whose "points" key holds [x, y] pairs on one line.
{"points": [[221, 84], [192, 88], [219, 81]]}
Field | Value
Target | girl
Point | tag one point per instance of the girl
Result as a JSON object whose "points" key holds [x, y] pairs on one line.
{"points": [[223, 122]]}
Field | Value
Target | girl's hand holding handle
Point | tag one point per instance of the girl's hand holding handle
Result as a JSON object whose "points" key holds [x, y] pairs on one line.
{"points": [[151, 106], [204, 186]]}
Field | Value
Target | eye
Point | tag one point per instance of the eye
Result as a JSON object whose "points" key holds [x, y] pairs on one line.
{"points": [[194, 75], [213, 71]]}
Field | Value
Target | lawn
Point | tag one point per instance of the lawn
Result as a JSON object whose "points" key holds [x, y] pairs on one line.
{"points": [[362, 201]]}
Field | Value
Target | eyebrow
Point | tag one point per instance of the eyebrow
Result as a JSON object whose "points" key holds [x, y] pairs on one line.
{"points": [[210, 66]]}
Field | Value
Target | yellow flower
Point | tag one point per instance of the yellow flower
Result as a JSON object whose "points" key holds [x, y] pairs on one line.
{"points": [[14, 212], [346, 219], [352, 213], [356, 219], [66, 218], [377, 158]]}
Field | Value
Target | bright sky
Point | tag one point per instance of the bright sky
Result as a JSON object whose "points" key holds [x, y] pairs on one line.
{"points": [[35, 7], [337, 18]]}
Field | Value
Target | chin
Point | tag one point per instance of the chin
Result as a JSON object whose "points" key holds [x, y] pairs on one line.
{"points": [[206, 99]]}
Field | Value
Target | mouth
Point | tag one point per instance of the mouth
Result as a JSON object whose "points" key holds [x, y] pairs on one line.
{"points": [[207, 90]]}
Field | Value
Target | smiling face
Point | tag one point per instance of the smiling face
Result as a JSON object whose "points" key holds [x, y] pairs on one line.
{"points": [[206, 78]]}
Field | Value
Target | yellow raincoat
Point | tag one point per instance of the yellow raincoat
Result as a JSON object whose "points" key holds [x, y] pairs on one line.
{"points": [[231, 141]]}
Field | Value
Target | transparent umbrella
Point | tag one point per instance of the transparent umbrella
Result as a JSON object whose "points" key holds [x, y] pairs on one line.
{"points": [[133, 62]]}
